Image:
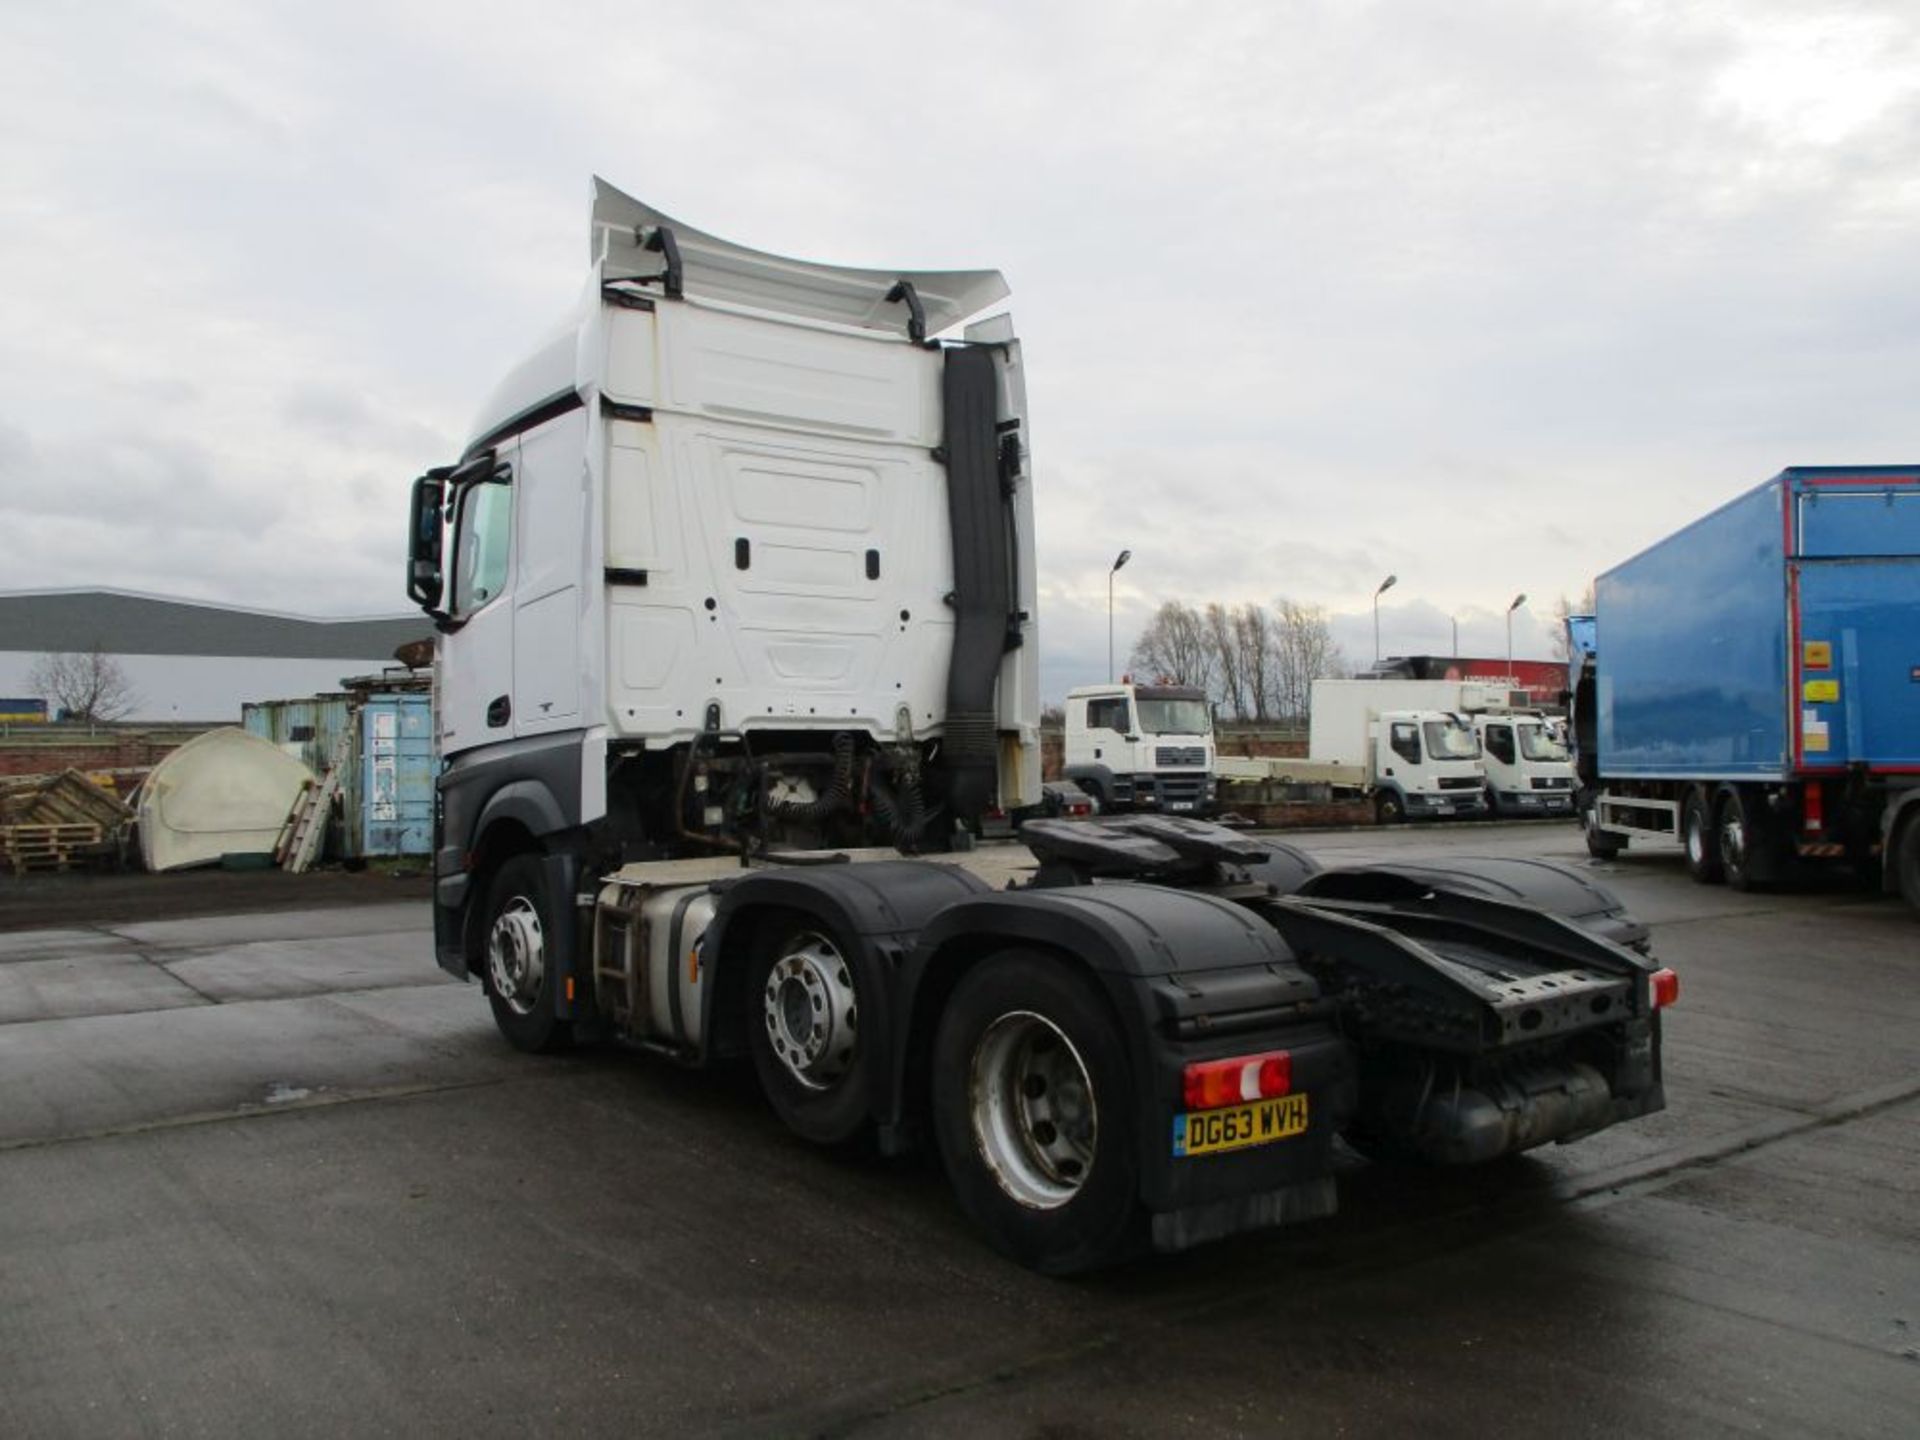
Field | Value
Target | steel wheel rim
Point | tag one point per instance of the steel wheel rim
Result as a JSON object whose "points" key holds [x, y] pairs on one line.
{"points": [[517, 955], [1733, 838], [1696, 837], [1035, 1119], [811, 1011]]}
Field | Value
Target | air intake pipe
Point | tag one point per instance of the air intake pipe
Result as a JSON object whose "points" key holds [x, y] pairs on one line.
{"points": [[982, 580]]}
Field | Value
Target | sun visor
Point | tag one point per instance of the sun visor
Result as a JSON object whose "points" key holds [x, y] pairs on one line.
{"points": [[718, 269]]}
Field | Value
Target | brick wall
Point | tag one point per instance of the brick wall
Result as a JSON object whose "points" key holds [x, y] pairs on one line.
{"points": [[1232, 738], [49, 749]]}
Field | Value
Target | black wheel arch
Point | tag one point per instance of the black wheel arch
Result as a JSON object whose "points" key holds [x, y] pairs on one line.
{"points": [[1130, 939], [875, 910]]}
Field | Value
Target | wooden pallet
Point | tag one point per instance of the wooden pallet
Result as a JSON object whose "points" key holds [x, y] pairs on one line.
{"points": [[50, 847]]}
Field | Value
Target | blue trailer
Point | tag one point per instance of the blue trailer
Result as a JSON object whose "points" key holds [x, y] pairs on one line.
{"points": [[1754, 686]]}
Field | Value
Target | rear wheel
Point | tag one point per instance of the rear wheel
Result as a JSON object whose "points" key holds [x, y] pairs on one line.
{"points": [[519, 966], [803, 1024], [1699, 836], [1389, 808], [1906, 863], [1746, 840], [1033, 1110]]}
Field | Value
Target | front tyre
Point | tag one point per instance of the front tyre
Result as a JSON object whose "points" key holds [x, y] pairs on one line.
{"points": [[804, 1003], [1389, 808], [1601, 844], [1033, 1108], [518, 967]]}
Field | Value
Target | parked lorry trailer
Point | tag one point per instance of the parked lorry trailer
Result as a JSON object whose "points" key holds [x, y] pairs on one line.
{"points": [[1141, 747], [1753, 686], [735, 592]]}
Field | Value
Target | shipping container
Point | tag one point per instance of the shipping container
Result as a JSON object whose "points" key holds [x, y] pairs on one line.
{"points": [[380, 732]]}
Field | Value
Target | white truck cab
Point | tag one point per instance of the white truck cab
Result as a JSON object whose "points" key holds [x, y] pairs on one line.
{"points": [[1417, 760], [1141, 747], [1528, 769]]}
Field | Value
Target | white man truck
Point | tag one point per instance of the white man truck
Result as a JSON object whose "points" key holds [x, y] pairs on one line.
{"points": [[734, 577], [1141, 747]]}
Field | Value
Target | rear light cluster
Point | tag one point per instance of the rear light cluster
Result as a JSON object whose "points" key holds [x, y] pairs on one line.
{"points": [[1665, 986], [1210, 1084]]}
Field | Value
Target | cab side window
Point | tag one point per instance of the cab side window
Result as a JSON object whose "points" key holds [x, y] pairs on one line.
{"points": [[1107, 714], [1405, 739], [1500, 743], [483, 540]]}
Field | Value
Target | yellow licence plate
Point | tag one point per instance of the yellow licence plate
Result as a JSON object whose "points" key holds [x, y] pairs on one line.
{"points": [[1208, 1132]]}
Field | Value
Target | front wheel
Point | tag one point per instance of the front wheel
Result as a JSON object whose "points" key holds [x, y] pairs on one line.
{"points": [[1389, 808], [1033, 1111], [1601, 844], [520, 965]]}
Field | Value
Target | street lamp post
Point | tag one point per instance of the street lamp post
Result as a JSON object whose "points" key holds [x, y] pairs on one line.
{"points": [[1518, 601], [1456, 636], [1385, 585], [1119, 560]]}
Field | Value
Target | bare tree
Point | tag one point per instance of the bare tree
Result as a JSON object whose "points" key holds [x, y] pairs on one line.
{"points": [[83, 685], [1303, 651], [1221, 623], [1174, 647], [1253, 641], [1562, 608]]}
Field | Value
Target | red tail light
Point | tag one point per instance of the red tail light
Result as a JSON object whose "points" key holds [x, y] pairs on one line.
{"points": [[1813, 812], [1209, 1084], [1666, 988]]}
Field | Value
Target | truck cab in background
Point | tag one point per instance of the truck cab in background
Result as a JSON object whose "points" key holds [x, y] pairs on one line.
{"points": [[1529, 771], [1141, 747], [1415, 758], [1426, 763]]}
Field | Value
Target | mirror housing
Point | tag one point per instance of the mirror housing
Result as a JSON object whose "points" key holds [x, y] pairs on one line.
{"points": [[425, 583]]}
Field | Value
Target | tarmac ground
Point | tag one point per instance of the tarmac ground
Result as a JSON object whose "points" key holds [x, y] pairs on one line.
{"points": [[272, 1172]]}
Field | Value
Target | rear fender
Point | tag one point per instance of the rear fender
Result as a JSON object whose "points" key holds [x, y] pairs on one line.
{"points": [[875, 911], [1551, 889], [1187, 976]]}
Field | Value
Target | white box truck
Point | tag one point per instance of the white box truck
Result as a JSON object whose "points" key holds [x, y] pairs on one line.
{"points": [[1417, 757]]}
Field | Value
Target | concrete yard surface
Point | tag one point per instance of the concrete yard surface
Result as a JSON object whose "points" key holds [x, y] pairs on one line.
{"points": [[273, 1173]]}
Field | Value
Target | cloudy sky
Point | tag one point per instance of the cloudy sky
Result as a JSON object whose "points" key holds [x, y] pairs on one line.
{"points": [[1487, 295]]}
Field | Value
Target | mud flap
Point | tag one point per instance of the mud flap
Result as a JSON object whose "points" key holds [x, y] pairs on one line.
{"points": [[561, 872]]}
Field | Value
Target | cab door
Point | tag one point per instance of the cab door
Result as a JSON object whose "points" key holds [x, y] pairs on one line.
{"points": [[476, 655], [1501, 755]]}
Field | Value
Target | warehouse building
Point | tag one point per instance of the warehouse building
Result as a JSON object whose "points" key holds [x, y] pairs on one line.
{"points": [[190, 660]]}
